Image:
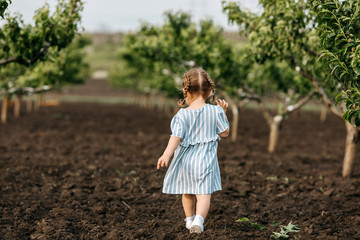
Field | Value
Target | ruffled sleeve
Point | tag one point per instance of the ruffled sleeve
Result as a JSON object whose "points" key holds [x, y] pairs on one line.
{"points": [[177, 126], [222, 122]]}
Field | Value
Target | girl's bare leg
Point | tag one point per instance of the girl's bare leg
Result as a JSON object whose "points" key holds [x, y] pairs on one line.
{"points": [[203, 204], [188, 201]]}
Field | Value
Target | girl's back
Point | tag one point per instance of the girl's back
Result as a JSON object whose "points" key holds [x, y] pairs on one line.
{"points": [[199, 125]]}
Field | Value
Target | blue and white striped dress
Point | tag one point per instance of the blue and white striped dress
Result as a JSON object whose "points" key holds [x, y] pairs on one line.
{"points": [[194, 168]]}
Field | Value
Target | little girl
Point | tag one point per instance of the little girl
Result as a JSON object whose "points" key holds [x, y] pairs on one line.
{"points": [[196, 130]]}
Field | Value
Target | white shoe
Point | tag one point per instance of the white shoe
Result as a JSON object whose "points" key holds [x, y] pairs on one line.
{"points": [[197, 225], [196, 229], [189, 221]]}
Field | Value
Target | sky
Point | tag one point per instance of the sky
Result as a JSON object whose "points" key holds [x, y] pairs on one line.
{"points": [[125, 15]]}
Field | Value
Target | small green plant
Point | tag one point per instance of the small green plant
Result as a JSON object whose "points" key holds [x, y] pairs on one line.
{"points": [[285, 230], [276, 178], [120, 173], [254, 224]]}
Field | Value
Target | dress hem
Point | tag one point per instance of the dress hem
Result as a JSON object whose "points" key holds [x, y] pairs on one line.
{"points": [[191, 192]]}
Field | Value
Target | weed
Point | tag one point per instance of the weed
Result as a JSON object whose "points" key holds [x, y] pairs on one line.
{"points": [[285, 230], [123, 173], [257, 226], [275, 178]]}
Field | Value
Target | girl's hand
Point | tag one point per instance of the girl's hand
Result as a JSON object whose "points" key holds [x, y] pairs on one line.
{"points": [[163, 161], [222, 104]]}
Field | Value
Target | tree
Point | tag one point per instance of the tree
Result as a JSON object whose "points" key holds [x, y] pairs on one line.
{"points": [[66, 67], [23, 46], [276, 80], [288, 30], [339, 32]]}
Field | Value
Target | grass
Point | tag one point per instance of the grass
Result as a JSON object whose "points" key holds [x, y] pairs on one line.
{"points": [[102, 57], [94, 99], [310, 107], [102, 54]]}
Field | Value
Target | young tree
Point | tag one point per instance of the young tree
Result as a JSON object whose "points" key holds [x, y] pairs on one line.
{"points": [[276, 80], [26, 43], [339, 33], [22, 46], [288, 30]]}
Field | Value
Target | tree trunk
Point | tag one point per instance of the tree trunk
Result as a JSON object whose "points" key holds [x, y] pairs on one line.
{"points": [[296, 113], [323, 114], [17, 106], [143, 100], [29, 104], [274, 132], [235, 123], [352, 137], [4, 110], [161, 104], [167, 107], [243, 103], [38, 101]]}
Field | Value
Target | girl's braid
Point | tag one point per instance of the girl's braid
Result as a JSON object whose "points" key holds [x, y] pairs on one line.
{"points": [[186, 85], [211, 83]]}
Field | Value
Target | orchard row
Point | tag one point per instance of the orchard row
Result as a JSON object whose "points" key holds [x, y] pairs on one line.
{"points": [[296, 50]]}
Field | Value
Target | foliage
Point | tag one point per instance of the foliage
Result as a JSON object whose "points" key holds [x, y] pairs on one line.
{"points": [[25, 43], [63, 67], [297, 31], [102, 53], [285, 230], [158, 55], [37, 55], [257, 226], [66, 67], [3, 6], [339, 32], [281, 32]]}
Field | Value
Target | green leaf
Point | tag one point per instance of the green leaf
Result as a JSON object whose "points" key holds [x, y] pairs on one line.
{"points": [[340, 97], [346, 115], [274, 224], [257, 226], [244, 219], [357, 119]]}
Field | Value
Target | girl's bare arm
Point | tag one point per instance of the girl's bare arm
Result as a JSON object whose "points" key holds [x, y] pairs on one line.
{"points": [[225, 134], [224, 105], [169, 151]]}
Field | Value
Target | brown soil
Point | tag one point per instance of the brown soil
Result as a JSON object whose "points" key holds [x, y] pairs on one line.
{"points": [[87, 171]]}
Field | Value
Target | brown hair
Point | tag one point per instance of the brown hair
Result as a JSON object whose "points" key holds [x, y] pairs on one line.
{"points": [[197, 81]]}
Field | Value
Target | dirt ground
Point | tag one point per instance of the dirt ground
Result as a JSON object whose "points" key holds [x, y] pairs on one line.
{"points": [[87, 171]]}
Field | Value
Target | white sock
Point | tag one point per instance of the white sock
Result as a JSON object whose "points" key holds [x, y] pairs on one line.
{"points": [[199, 221], [189, 221]]}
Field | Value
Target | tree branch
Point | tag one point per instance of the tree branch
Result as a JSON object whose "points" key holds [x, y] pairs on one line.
{"points": [[325, 99], [300, 103], [243, 103], [26, 62], [265, 112]]}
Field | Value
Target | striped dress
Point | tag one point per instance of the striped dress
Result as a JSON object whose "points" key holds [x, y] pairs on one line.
{"points": [[194, 168]]}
